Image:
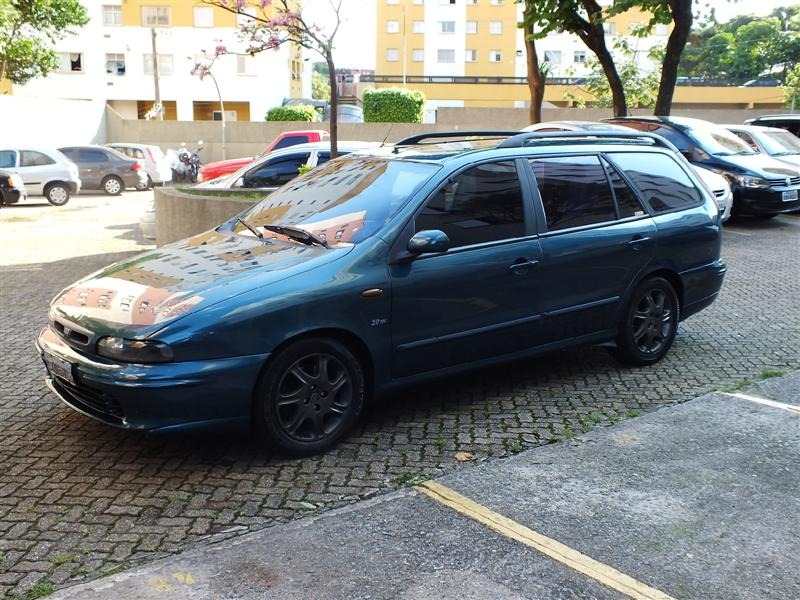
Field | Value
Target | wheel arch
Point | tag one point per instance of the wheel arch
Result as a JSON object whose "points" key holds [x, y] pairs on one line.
{"points": [[671, 276]]}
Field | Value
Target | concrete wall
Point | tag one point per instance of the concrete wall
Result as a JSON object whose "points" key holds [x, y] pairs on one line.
{"points": [[51, 122], [180, 215]]}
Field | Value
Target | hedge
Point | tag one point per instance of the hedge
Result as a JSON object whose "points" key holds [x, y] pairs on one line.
{"points": [[393, 105], [294, 112]]}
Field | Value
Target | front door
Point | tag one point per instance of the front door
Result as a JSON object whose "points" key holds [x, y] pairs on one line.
{"points": [[479, 299]]}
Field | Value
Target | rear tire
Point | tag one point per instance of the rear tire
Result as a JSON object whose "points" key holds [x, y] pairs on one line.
{"points": [[57, 194], [309, 397], [649, 323], [113, 185]]}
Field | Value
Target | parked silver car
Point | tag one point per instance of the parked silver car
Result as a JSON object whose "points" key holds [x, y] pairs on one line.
{"points": [[776, 142], [153, 161], [105, 169], [44, 171]]}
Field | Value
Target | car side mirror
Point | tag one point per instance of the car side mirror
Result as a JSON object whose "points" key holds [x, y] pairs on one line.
{"points": [[428, 241]]}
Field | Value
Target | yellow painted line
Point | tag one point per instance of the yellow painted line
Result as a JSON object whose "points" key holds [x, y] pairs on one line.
{"points": [[764, 401], [598, 571]]}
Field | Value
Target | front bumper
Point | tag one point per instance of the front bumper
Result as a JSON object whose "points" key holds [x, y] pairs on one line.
{"points": [[75, 186], [754, 201], [197, 395], [11, 195]]}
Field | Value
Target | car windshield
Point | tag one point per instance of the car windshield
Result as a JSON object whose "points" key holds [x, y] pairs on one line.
{"points": [[343, 201], [719, 141], [780, 143]]}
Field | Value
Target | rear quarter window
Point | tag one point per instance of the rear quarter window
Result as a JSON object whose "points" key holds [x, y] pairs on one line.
{"points": [[661, 181], [8, 159]]}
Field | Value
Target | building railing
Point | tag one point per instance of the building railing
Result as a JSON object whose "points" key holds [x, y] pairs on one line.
{"points": [[454, 79]]}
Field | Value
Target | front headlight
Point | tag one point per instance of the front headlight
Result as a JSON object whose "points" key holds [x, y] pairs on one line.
{"points": [[15, 181], [747, 181], [134, 351]]}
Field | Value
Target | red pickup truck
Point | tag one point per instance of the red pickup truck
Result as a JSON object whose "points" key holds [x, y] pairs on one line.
{"points": [[284, 140]]}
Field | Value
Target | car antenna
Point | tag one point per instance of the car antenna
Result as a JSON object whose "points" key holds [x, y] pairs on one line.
{"points": [[383, 143]]}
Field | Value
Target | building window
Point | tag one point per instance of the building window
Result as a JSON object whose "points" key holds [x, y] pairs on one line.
{"points": [[112, 15], [446, 2], [156, 16], [392, 54], [392, 26], [418, 26], [418, 55], [495, 27], [579, 56], [610, 28], [447, 26], [445, 56], [496, 2], [203, 16], [495, 56], [470, 56], [246, 65], [71, 62], [471, 27], [164, 64], [115, 64], [552, 56]]}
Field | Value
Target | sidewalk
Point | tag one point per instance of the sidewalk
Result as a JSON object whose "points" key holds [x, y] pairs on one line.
{"points": [[698, 500]]}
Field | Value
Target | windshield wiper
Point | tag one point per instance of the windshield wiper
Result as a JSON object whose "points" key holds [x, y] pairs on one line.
{"points": [[252, 229], [296, 233]]}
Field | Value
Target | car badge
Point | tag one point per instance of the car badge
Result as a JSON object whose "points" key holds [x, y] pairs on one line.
{"points": [[788, 181]]}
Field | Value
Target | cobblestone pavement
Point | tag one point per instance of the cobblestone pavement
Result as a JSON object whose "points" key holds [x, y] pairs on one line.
{"points": [[79, 499]]}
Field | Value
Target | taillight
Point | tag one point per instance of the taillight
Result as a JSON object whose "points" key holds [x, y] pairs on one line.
{"points": [[135, 166]]}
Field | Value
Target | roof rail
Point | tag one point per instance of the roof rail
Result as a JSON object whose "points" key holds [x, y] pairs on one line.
{"points": [[522, 139], [415, 140]]}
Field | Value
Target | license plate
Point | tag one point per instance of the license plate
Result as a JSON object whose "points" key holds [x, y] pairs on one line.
{"points": [[790, 195], [58, 367]]}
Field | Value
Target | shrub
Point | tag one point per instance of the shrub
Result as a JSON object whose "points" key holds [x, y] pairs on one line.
{"points": [[393, 105], [295, 112]]}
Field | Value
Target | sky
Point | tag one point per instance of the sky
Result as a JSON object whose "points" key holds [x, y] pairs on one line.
{"points": [[355, 41]]}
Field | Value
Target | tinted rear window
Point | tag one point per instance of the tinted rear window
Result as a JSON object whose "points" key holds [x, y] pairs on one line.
{"points": [[660, 180], [291, 141]]}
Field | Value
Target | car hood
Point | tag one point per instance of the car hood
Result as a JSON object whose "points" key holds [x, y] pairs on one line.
{"points": [[136, 297], [763, 165]]}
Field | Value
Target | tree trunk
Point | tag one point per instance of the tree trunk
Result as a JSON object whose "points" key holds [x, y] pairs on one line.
{"points": [[682, 19], [334, 115], [593, 35], [536, 80]]}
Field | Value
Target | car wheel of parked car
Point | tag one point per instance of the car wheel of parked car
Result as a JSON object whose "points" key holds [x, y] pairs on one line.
{"points": [[649, 323], [57, 194], [143, 187], [112, 186], [309, 397]]}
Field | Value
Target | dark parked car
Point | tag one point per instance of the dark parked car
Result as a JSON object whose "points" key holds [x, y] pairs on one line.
{"points": [[761, 185], [789, 122], [387, 267], [12, 190], [106, 169]]}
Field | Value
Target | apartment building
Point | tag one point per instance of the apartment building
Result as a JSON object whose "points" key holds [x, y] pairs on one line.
{"points": [[471, 52], [112, 58]]}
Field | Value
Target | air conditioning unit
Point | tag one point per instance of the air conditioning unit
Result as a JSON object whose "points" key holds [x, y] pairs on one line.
{"points": [[230, 115]]}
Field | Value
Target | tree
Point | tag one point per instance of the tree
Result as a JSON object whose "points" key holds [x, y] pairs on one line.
{"points": [[320, 88], [278, 22], [641, 86], [537, 74], [28, 29], [583, 18], [791, 89]]}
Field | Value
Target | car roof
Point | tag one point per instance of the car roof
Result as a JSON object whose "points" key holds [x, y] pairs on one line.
{"points": [[575, 125], [130, 145], [776, 117], [753, 128]]}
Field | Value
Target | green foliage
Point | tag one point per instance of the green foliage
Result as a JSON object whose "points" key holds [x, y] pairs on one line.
{"points": [[792, 88], [393, 105], [28, 29], [641, 87], [321, 68], [296, 112], [320, 86]]}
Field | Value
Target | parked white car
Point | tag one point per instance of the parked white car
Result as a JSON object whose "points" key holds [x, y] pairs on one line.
{"points": [[154, 163], [776, 142], [719, 187], [44, 171]]}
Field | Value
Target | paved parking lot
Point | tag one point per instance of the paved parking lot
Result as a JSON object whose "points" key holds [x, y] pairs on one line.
{"points": [[78, 499]]}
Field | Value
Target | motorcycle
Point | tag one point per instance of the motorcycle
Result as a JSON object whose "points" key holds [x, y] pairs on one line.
{"points": [[185, 164]]}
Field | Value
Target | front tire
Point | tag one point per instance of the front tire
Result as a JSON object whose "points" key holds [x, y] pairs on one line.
{"points": [[309, 397], [649, 323], [57, 194], [113, 186]]}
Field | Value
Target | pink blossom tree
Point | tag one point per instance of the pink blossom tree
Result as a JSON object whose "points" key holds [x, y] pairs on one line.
{"points": [[274, 23]]}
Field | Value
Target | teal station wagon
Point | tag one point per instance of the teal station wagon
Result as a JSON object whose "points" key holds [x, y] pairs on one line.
{"points": [[387, 267]]}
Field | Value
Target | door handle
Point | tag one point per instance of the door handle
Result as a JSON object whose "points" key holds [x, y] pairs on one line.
{"points": [[637, 242], [522, 265]]}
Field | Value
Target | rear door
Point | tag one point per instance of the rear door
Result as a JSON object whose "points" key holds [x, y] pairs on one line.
{"points": [[276, 171], [596, 238], [96, 164]]}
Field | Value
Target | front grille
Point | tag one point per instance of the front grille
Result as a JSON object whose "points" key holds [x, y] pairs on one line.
{"points": [[783, 182], [75, 336], [90, 400], [719, 193]]}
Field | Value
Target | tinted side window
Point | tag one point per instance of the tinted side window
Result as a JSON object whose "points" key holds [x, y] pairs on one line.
{"points": [[291, 141], [660, 179], [574, 191], [31, 158], [628, 204], [7, 159], [93, 156], [482, 204], [275, 173]]}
